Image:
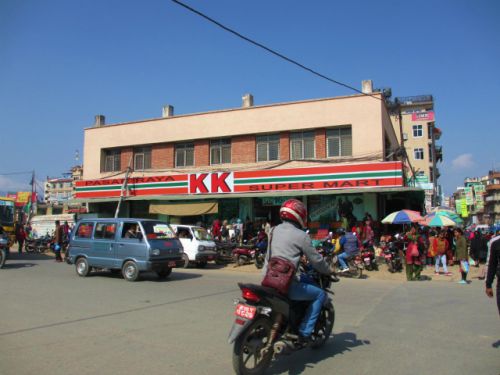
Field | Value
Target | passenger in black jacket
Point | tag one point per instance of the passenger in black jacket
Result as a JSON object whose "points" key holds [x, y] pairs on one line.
{"points": [[494, 268]]}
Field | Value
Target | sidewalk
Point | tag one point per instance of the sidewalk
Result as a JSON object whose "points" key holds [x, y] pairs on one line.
{"points": [[384, 274]]}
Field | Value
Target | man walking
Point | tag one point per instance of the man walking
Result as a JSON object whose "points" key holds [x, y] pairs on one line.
{"points": [[494, 268]]}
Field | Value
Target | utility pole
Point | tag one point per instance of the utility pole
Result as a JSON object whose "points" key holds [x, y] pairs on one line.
{"points": [[124, 188]]}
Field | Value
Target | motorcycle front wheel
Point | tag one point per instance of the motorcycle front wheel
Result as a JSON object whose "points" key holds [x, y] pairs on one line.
{"points": [[324, 326], [3, 256], [247, 356]]}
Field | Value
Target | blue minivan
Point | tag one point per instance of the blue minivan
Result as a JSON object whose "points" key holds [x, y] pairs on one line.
{"points": [[125, 244]]}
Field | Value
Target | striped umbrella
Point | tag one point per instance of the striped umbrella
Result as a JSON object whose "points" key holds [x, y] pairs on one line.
{"points": [[438, 221], [452, 215], [403, 217]]}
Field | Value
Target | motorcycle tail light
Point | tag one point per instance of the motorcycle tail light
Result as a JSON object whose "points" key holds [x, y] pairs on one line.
{"points": [[249, 295]]}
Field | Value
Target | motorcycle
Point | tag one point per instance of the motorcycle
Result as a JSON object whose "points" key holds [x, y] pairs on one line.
{"points": [[393, 258], [266, 325], [4, 250], [368, 256], [224, 252], [260, 254], [354, 263], [244, 254], [38, 245]]}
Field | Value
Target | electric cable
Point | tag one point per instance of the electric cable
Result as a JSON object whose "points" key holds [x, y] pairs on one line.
{"points": [[273, 51]]}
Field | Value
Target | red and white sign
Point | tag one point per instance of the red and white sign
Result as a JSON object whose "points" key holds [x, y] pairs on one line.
{"points": [[422, 116]]}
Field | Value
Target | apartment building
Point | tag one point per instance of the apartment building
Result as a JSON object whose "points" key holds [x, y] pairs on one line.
{"points": [[492, 198], [336, 154], [414, 123]]}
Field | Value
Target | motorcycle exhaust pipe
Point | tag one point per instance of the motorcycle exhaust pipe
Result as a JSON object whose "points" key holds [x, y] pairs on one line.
{"points": [[282, 347]]}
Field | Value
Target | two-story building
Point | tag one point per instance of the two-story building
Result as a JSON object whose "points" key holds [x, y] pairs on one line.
{"points": [[337, 154]]}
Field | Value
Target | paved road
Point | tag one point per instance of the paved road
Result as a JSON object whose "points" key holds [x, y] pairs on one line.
{"points": [[53, 322]]}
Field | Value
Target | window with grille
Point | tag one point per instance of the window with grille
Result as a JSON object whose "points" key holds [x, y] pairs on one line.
{"points": [[302, 145], [142, 158], [418, 153], [417, 131], [268, 147], [220, 151], [184, 155], [339, 141], [110, 161]]}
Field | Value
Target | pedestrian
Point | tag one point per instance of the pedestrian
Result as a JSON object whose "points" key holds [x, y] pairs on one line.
{"points": [[58, 239], [20, 237], [413, 262], [475, 246], [461, 254], [440, 248], [216, 229], [494, 268], [367, 233]]}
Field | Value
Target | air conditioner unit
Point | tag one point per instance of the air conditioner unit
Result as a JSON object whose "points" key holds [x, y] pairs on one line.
{"points": [[405, 136]]}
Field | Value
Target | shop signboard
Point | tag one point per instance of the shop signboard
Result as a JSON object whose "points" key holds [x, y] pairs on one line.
{"points": [[479, 189], [274, 201], [331, 177], [422, 116], [469, 197]]}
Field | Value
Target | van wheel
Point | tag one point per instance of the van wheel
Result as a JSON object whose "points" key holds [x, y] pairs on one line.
{"points": [[185, 258], [130, 271], [164, 273], [82, 267]]}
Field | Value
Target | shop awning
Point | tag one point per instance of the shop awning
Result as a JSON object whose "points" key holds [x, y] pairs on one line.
{"points": [[184, 209]]}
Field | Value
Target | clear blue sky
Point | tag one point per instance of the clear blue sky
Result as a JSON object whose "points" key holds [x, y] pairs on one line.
{"points": [[64, 61]]}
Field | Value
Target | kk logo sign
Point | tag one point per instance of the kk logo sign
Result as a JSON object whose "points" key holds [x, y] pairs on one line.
{"points": [[211, 183]]}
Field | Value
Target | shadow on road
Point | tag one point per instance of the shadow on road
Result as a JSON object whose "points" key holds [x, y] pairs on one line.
{"points": [[17, 265], [15, 256], [146, 276], [298, 363]]}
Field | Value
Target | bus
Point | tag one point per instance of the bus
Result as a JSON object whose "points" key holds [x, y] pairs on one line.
{"points": [[7, 209]]}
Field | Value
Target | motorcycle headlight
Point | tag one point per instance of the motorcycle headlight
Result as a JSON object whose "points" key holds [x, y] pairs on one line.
{"points": [[155, 252]]}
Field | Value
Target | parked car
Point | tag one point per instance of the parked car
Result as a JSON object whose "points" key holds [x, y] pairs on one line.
{"points": [[125, 244], [199, 247]]}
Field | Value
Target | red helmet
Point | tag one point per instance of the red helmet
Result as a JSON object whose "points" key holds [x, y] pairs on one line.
{"points": [[294, 210]]}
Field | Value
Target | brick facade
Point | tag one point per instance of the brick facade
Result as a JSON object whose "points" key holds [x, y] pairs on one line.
{"points": [[285, 146], [243, 149], [162, 156], [202, 153], [320, 143], [126, 154]]}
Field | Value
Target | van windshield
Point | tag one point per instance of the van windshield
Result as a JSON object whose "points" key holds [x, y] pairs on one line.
{"points": [[157, 230], [201, 234]]}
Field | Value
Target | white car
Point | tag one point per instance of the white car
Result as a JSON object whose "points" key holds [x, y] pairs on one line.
{"points": [[199, 247]]}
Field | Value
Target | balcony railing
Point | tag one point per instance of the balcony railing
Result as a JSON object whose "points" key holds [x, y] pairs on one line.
{"points": [[439, 153], [414, 99]]}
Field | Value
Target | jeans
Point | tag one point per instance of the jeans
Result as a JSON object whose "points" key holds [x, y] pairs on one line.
{"points": [[307, 292], [441, 258], [342, 257]]}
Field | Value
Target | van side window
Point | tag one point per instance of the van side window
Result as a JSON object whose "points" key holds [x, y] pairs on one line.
{"points": [[130, 230], [105, 231], [183, 233], [84, 230]]}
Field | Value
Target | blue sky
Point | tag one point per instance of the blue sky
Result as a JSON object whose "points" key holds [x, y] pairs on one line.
{"points": [[64, 61]]}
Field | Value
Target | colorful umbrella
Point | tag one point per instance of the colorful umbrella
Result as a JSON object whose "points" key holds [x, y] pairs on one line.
{"points": [[438, 221], [403, 217], [452, 215]]}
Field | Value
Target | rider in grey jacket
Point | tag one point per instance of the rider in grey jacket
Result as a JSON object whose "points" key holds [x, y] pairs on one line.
{"points": [[289, 241]]}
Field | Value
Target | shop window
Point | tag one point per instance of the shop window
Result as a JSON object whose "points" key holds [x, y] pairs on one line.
{"points": [[184, 155], [142, 158], [418, 153], [220, 151], [110, 161], [268, 147], [339, 141], [417, 131], [302, 145]]}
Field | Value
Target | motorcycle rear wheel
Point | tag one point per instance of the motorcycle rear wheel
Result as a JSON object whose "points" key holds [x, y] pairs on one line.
{"points": [[324, 326], [247, 348], [3, 256]]}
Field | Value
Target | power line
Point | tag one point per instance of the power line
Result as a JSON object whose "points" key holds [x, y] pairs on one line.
{"points": [[273, 51], [15, 173]]}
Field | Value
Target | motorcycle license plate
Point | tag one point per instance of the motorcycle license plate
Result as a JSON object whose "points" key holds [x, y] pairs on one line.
{"points": [[245, 311]]}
